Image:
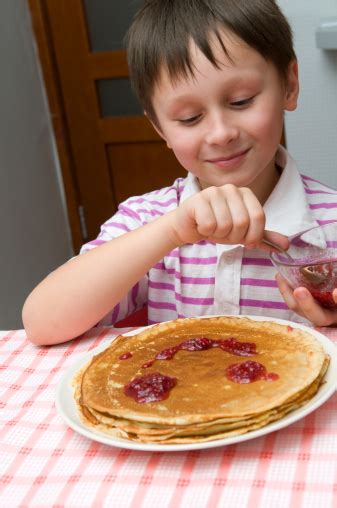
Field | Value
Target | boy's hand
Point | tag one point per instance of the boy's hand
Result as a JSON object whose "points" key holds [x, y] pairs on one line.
{"points": [[227, 215], [302, 302]]}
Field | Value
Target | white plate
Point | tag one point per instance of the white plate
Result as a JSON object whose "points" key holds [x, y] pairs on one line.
{"points": [[67, 408]]}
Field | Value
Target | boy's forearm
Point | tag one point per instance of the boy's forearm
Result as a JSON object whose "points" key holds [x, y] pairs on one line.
{"points": [[82, 291]]}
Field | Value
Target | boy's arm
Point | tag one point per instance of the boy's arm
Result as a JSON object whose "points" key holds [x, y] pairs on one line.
{"points": [[78, 294]]}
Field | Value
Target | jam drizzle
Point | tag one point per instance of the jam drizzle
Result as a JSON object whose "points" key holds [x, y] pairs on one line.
{"points": [[248, 372], [150, 388], [125, 356], [230, 345]]}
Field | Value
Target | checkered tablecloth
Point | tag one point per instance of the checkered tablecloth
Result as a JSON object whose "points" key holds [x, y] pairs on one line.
{"points": [[46, 464]]}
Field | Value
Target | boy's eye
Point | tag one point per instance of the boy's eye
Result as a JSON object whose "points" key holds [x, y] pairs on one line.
{"points": [[243, 102], [189, 121]]}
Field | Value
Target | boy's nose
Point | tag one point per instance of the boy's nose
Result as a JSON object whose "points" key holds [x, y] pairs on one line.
{"points": [[221, 131]]}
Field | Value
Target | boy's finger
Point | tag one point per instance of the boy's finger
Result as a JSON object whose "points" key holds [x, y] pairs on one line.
{"points": [[239, 214], [334, 295], [257, 218], [223, 217], [204, 218], [281, 240], [286, 292], [311, 309]]}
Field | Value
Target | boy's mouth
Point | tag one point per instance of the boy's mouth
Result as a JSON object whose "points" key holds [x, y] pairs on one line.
{"points": [[229, 159]]}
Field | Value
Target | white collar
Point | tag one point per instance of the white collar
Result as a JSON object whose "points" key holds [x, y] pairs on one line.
{"points": [[287, 209]]}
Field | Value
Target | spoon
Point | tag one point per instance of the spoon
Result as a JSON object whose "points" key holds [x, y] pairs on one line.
{"points": [[315, 274]]}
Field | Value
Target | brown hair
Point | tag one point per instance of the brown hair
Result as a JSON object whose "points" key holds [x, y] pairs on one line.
{"points": [[162, 29]]}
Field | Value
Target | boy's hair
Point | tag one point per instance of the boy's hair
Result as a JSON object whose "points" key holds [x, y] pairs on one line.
{"points": [[161, 32]]}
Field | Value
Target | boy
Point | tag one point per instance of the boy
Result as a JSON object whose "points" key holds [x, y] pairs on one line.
{"points": [[214, 78]]}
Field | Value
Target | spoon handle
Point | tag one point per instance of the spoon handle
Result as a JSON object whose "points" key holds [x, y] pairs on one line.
{"points": [[277, 247]]}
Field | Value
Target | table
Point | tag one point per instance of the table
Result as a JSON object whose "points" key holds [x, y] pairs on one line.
{"points": [[46, 464]]}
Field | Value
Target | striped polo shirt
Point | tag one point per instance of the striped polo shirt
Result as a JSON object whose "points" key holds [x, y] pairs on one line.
{"points": [[206, 278]]}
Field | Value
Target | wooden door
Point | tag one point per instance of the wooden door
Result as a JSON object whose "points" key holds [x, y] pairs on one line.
{"points": [[108, 152]]}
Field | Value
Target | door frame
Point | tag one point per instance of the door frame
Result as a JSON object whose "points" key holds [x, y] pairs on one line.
{"points": [[57, 115]]}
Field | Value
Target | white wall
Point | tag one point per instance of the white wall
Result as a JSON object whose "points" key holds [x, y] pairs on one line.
{"points": [[34, 228], [312, 130]]}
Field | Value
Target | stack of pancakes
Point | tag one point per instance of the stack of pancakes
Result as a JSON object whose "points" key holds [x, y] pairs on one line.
{"points": [[202, 402]]}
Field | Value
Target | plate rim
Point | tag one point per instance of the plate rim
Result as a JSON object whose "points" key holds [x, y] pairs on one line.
{"points": [[64, 394]]}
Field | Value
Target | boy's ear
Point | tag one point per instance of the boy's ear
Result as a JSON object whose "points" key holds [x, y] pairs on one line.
{"points": [[292, 87], [157, 128]]}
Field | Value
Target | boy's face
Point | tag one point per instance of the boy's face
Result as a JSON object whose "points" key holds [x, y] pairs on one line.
{"points": [[224, 125]]}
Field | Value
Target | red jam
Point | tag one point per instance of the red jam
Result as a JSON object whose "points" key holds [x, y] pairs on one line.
{"points": [[197, 344], [148, 364], [125, 356], [324, 298], [230, 345], [150, 388], [248, 372], [238, 348]]}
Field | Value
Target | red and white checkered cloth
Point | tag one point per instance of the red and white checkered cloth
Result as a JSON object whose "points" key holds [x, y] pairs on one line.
{"points": [[45, 464]]}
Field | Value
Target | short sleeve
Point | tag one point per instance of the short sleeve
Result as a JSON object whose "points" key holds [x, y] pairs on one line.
{"points": [[126, 219]]}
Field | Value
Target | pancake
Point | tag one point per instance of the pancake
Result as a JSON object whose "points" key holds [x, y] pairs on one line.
{"points": [[214, 377]]}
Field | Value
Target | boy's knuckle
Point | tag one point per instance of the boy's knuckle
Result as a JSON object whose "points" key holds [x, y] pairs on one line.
{"points": [[241, 223], [207, 228], [258, 216], [230, 188]]}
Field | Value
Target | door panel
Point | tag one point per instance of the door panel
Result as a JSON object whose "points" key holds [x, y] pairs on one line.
{"points": [[127, 168], [108, 21]]}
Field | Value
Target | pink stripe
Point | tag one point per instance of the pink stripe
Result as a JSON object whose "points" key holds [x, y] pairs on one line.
{"points": [[145, 482], [115, 313], [161, 305], [109, 480], [96, 242], [256, 262], [22, 379], [128, 212], [162, 204], [221, 479], [261, 473], [259, 283], [309, 179], [54, 456], [203, 281], [77, 476], [299, 485], [323, 205], [184, 480], [161, 285], [161, 266], [246, 302], [334, 494], [193, 260], [117, 225], [312, 191], [327, 221], [29, 445], [208, 281], [194, 301], [5, 338], [134, 294], [153, 213]]}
